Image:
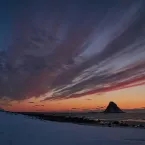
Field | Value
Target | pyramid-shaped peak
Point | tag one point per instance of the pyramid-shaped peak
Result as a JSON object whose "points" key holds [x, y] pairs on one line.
{"points": [[112, 102], [113, 108]]}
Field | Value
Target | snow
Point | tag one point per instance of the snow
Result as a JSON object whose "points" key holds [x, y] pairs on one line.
{"points": [[22, 130]]}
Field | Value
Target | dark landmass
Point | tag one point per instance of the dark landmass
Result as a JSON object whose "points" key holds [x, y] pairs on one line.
{"points": [[113, 108], [60, 117], [113, 116], [2, 110]]}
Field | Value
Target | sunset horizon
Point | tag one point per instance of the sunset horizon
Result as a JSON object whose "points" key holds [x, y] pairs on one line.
{"points": [[125, 99], [72, 56], [72, 72]]}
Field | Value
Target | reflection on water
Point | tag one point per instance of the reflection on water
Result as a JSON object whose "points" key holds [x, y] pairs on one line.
{"points": [[138, 117], [135, 120]]}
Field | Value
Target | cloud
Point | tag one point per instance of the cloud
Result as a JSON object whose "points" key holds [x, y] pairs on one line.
{"points": [[74, 50], [89, 99], [38, 105], [31, 102], [73, 108], [100, 107], [8, 104]]}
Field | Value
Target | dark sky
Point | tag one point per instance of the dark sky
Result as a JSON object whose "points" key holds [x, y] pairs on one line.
{"points": [[70, 48]]}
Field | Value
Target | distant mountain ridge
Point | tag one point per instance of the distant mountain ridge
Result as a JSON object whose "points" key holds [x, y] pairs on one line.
{"points": [[113, 108], [1, 110]]}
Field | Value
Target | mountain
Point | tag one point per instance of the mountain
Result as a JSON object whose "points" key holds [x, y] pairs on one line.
{"points": [[113, 108], [1, 110]]}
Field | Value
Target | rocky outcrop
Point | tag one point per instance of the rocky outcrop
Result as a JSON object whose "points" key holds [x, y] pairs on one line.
{"points": [[113, 108], [1, 110]]}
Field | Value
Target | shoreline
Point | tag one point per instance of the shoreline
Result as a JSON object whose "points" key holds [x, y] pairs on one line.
{"points": [[37, 132], [86, 121]]}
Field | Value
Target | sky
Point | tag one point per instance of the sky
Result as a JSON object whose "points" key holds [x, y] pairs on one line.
{"points": [[71, 55]]}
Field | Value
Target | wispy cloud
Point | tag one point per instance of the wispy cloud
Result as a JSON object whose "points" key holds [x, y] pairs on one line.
{"points": [[88, 99], [73, 50], [31, 102], [38, 105], [73, 108]]}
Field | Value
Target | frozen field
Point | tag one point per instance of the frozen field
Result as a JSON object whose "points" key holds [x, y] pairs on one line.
{"points": [[21, 130]]}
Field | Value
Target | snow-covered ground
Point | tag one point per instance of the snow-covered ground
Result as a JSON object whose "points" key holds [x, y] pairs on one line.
{"points": [[21, 130]]}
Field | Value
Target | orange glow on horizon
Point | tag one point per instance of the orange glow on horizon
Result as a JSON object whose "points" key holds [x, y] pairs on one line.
{"points": [[126, 99]]}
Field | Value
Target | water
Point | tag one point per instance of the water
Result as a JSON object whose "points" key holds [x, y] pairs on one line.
{"points": [[130, 117]]}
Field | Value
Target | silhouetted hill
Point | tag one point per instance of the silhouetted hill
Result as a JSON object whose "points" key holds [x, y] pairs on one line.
{"points": [[1, 110], [113, 108]]}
